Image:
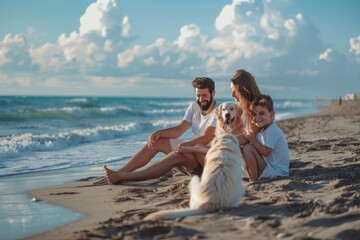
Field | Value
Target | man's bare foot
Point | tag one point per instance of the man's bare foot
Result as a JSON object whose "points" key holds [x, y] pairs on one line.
{"points": [[101, 181], [112, 177]]}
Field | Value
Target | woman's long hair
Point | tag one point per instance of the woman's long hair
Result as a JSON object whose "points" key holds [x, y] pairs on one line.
{"points": [[247, 90]]}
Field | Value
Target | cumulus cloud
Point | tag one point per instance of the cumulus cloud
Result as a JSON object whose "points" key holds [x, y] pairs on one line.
{"points": [[15, 53], [246, 31], [103, 32], [252, 34]]}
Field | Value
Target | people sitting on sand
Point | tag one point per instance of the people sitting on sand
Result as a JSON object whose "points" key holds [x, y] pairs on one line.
{"points": [[267, 154], [199, 116]]}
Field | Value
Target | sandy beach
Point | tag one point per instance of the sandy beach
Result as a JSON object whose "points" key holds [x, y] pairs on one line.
{"points": [[319, 200]]}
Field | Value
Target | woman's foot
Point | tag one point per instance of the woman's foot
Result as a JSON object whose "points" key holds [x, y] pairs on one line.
{"points": [[112, 177]]}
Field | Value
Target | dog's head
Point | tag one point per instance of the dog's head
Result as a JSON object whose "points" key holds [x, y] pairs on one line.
{"points": [[229, 117]]}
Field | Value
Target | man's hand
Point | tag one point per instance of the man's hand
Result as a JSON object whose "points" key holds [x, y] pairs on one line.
{"points": [[153, 138], [185, 149], [192, 149]]}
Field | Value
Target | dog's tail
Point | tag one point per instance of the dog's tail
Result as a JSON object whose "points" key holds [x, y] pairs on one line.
{"points": [[172, 214]]}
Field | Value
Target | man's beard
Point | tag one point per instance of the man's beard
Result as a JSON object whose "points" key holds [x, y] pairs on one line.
{"points": [[208, 104]]}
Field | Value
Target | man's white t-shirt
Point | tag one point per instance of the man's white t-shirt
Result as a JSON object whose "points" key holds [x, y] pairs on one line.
{"points": [[279, 159], [199, 122]]}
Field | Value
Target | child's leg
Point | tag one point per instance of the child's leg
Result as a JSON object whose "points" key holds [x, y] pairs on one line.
{"points": [[254, 162]]}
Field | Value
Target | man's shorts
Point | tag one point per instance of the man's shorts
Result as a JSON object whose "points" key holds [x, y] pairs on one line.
{"points": [[174, 142]]}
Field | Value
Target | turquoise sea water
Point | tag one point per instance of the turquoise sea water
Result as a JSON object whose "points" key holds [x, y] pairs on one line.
{"points": [[47, 141]]}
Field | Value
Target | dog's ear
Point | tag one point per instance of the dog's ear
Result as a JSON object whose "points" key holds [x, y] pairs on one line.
{"points": [[218, 111], [238, 120]]}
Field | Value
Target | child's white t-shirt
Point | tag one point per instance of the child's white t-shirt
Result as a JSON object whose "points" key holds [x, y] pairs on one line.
{"points": [[279, 159]]}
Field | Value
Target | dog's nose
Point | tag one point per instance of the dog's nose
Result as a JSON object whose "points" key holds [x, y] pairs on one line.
{"points": [[227, 115]]}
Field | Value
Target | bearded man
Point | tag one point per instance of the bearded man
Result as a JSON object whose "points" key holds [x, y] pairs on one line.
{"points": [[199, 116]]}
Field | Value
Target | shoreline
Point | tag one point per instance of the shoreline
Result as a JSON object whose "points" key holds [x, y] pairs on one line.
{"points": [[318, 200]]}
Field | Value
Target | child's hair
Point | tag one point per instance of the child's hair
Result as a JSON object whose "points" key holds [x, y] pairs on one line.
{"points": [[264, 101]]}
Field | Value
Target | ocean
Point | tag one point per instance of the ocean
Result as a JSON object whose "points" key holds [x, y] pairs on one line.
{"points": [[47, 141]]}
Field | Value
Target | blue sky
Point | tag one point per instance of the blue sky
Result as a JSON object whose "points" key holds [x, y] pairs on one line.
{"points": [[295, 49]]}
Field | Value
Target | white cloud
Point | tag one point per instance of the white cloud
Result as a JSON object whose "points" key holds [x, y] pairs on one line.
{"points": [[125, 27], [14, 53], [18, 80], [52, 82], [253, 31], [103, 33], [5, 79], [3, 58], [326, 55], [96, 17], [271, 22], [290, 25], [252, 34], [226, 17], [109, 82], [190, 39], [355, 46], [127, 57], [149, 61]]}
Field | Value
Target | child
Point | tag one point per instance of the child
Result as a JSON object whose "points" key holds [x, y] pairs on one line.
{"points": [[267, 154]]}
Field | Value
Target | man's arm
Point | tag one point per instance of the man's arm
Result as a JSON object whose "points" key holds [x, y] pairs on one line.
{"points": [[204, 139], [171, 132], [176, 131], [193, 149]]}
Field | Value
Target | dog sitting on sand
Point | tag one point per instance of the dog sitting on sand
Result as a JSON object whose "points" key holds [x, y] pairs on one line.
{"points": [[220, 186]]}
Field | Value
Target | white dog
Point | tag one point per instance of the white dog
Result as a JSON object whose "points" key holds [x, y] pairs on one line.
{"points": [[220, 186]]}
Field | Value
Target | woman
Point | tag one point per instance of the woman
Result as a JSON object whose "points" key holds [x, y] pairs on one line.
{"points": [[244, 90]]}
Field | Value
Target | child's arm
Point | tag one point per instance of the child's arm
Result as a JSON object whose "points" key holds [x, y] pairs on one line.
{"points": [[263, 150]]}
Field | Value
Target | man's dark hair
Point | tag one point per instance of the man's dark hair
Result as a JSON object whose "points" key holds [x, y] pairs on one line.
{"points": [[204, 82]]}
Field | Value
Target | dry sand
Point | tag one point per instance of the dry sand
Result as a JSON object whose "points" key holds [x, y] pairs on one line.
{"points": [[320, 199]]}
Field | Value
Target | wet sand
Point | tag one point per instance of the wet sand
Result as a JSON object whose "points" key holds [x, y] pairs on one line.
{"points": [[319, 200]]}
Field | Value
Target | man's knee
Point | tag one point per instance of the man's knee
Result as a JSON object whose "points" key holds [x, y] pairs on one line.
{"points": [[162, 145]]}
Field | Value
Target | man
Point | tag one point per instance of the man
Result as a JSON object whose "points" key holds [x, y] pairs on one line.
{"points": [[199, 117]]}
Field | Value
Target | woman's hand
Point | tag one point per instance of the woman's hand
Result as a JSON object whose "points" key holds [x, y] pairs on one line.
{"points": [[250, 136]]}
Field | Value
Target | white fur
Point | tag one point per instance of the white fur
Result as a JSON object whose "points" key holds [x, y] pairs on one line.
{"points": [[220, 186]]}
